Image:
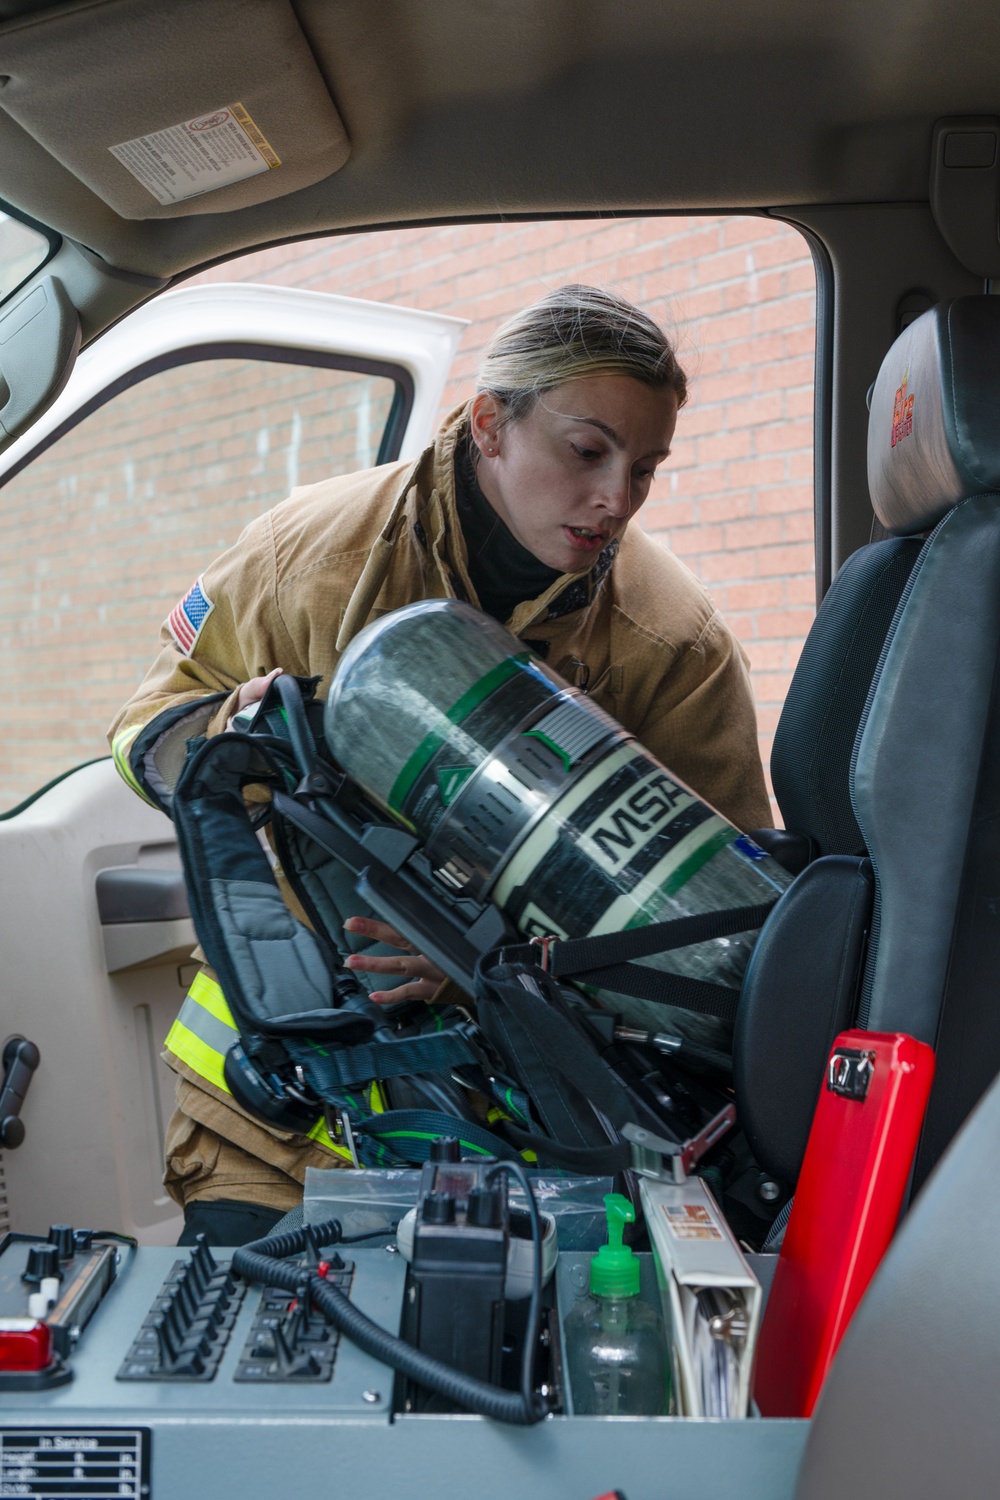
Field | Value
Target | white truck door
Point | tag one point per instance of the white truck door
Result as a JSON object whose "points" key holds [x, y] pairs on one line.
{"points": [[177, 427]]}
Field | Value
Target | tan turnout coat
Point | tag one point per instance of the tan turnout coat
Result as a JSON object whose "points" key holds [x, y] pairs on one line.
{"points": [[300, 582]]}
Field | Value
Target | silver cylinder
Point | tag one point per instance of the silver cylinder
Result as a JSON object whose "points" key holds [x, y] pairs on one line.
{"points": [[524, 791]]}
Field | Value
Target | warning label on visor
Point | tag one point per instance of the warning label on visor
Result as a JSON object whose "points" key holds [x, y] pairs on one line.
{"points": [[211, 151]]}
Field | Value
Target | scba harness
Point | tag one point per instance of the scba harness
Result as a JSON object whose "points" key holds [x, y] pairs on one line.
{"points": [[537, 1073]]}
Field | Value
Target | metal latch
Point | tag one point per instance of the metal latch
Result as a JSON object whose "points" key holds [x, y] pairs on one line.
{"points": [[850, 1072], [654, 1156]]}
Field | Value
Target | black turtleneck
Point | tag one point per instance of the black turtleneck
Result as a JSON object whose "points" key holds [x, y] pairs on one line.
{"points": [[504, 574]]}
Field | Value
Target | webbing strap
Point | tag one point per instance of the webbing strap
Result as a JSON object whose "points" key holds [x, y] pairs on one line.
{"points": [[697, 995], [329, 1072], [410, 1133], [574, 955], [558, 1066], [605, 960]]}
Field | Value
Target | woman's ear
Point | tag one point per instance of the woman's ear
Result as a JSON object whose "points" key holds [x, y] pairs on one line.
{"points": [[485, 416]]}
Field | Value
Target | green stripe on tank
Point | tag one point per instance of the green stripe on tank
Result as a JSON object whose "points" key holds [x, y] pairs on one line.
{"points": [[432, 742], [564, 756], [652, 910]]}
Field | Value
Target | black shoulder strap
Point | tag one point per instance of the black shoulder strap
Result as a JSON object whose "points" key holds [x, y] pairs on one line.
{"points": [[273, 972], [606, 961], [574, 1095]]}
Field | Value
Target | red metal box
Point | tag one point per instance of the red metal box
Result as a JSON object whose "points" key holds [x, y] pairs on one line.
{"points": [[847, 1202]]}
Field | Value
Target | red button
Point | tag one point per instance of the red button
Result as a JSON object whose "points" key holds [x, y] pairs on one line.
{"points": [[25, 1344]]}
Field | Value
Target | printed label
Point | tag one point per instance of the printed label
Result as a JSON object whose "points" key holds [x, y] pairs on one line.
{"points": [[633, 819], [211, 151], [691, 1221], [102, 1463]]}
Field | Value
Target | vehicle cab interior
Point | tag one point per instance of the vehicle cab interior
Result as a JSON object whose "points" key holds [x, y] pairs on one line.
{"points": [[873, 133]]}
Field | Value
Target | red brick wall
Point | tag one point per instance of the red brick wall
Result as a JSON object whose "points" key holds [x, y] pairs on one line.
{"points": [[735, 498], [101, 534]]}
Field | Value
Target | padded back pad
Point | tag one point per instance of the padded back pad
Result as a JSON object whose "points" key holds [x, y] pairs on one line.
{"points": [[811, 758], [917, 763], [909, 1408], [800, 989]]}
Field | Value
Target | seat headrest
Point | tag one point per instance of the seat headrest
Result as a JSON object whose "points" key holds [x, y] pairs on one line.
{"points": [[934, 429]]}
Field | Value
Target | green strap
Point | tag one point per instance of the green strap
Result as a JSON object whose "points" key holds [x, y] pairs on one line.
{"points": [[408, 1134]]}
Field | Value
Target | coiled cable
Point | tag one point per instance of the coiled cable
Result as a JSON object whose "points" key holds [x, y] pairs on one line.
{"points": [[261, 1260]]}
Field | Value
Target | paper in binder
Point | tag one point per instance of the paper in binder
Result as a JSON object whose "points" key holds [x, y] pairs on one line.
{"points": [[710, 1297]]}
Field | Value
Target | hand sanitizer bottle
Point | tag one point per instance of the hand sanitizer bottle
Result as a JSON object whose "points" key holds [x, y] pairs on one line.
{"points": [[614, 1341]]}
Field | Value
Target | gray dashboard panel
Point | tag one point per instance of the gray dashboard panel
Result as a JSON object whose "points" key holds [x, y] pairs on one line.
{"points": [[271, 1442]]}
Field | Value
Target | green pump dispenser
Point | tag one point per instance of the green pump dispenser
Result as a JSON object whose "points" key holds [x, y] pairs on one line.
{"points": [[614, 1270]]}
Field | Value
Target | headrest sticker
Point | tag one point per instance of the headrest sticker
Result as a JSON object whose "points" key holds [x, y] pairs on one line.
{"points": [[902, 413]]}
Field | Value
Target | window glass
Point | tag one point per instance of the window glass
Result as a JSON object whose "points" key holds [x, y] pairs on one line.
{"points": [[123, 514], [104, 531], [22, 249]]}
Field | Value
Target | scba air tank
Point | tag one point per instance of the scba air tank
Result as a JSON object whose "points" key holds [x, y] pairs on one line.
{"points": [[525, 791]]}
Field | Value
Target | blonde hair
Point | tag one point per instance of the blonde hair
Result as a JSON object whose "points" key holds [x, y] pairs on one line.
{"points": [[575, 331]]}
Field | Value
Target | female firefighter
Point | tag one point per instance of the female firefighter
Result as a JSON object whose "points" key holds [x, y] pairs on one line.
{"points": [[521, 505]]}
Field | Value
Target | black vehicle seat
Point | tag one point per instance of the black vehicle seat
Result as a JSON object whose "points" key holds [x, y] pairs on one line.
{"points": [[926, 773], [908, 1411], [814, 740], [918, 805]]}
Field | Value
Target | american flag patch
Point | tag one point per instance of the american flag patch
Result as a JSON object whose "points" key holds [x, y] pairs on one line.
{"points": [[186, 619]]}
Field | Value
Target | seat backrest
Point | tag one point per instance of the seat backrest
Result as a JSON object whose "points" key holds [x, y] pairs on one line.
{"points": [[814, 740], [925, 781], [801, 986], [889, 746]]}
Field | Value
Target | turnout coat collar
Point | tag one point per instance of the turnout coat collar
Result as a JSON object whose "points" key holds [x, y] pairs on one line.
{"points": [[426, 504]]}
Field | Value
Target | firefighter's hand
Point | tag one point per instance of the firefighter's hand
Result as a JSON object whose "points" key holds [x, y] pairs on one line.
{"points": [[252, 692], [424, 976]]}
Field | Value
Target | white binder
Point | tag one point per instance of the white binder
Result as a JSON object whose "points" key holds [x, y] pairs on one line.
{"points": [[711, 1298]]}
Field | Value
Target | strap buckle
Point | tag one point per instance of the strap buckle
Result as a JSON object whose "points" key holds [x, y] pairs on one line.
{"points": [[546, 944], [339, 1126]]}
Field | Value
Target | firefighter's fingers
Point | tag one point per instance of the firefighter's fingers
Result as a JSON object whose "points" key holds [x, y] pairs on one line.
{"points": [[417, 989], [379, 932], [254, 690], [413, 965]]}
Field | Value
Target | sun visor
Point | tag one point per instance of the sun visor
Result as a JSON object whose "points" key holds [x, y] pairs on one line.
{"points": [[172, 107], [933, 433]]}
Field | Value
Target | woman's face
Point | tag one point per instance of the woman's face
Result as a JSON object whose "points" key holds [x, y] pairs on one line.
{"points": [[568, 478]]}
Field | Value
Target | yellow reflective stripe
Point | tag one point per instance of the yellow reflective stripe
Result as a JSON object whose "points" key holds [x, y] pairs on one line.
{"points": [[375, 1101], [199, 1056], [207, 992], [322, 1137], [208, 1062], [202, 1052], [120, 748]]}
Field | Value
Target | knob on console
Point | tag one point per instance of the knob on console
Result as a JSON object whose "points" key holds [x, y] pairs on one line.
{"points": [[61, 1235], [439, 1208], [483, 1211], [43, 1261]]}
